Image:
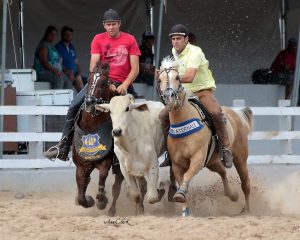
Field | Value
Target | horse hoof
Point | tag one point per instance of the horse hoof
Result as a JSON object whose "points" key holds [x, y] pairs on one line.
{"points": [[112, 212], [102, 202], [89, 202], [179, 197]]}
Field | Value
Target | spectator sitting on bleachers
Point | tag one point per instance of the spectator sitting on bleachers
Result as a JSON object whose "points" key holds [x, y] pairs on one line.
{"points": [[47, 61], [283, 67], [70, 64], [146, 74]]}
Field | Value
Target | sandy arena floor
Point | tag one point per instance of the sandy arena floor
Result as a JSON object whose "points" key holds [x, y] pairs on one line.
{"points": [[275, 214]]}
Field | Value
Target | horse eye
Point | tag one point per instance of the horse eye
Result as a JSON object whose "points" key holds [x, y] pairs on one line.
{"points": [[177, 78], [127, 109]]}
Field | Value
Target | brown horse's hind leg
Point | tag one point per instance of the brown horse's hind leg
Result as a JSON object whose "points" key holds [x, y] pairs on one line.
{"points": [[116, 188], [242, 169], [83, 178], [220, 169]]}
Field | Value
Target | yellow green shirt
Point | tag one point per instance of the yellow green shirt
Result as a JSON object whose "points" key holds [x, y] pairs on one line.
{"points": [[193, 57]]}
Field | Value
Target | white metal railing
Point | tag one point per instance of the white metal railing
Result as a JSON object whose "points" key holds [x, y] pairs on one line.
{"points": [[285, 134], [36, 137]]}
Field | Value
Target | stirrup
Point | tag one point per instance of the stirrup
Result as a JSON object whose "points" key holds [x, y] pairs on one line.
{"points": [[227, 161], [56, 157]]}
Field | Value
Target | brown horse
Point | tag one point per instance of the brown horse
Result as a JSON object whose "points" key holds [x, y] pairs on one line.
{"points": [[92, 147], [189, 153]]}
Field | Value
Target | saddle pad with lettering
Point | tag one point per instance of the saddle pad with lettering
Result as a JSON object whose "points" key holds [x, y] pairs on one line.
{"points": [[96, 145], [185, 128]]}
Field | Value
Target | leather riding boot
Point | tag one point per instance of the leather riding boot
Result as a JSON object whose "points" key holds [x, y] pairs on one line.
{"points": [[165, 122], [61, 150], [220, 127]]}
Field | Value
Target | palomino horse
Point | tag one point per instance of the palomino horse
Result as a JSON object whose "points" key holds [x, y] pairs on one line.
{"points": [[92, 143], [189, 153]]}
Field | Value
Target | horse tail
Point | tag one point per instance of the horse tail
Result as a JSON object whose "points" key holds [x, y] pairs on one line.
{"points": [[248, 118]]}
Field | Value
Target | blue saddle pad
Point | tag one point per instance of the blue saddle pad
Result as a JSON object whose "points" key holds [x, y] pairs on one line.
{"points": [[95, 145]]}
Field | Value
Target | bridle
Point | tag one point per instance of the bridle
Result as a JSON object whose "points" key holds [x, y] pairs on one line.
{"points": [[169, 91], [91, 100]]}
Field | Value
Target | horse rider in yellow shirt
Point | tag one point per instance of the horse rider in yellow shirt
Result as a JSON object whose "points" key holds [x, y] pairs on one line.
{"points": [[197, 78]]}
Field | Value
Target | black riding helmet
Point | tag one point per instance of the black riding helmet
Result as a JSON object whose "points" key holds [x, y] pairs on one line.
{"points": [[179, 29]]}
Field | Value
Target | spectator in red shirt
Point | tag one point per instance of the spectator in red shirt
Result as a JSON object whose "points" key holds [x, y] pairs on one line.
{"points": [[283, 67]]}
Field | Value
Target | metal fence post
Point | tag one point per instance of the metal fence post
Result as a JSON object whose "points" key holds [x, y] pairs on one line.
{"points": [[285, 124]]}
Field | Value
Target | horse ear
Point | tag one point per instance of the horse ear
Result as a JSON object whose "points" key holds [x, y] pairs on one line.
{"points": [[156, 73], [139, 106], [104, 107]]}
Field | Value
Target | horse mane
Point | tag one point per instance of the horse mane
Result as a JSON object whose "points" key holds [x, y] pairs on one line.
{"points": [[168, 62], [101, 65]]}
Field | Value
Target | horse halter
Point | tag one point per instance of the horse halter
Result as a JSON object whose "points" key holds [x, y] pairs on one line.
{"points": [[169, 92], [91, 100]]}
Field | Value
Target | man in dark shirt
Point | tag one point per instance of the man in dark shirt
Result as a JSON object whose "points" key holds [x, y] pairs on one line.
{"points": [[146, 74], [70, 62]]}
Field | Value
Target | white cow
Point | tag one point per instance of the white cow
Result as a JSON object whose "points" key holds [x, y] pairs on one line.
{"points": [[138, 142]]}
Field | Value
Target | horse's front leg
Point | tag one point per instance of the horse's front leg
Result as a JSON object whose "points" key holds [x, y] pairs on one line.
{"points": [[180, 195], [196, 164], [116, 188], [83, 178], [103, 168]]}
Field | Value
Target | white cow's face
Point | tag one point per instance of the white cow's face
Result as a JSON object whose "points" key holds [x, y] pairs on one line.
{"points": [[120, 113], [121, 108]]}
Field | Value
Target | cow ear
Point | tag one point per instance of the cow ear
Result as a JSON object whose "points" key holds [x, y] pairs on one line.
{"points": [[104, 107], [139, 106]]}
